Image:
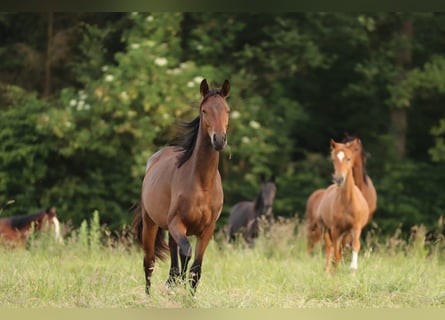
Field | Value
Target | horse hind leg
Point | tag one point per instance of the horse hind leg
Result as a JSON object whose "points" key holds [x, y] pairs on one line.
{"points": [[231, 234], [149, 233]]}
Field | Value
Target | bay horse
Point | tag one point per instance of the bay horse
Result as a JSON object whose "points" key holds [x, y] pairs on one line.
{"points": [[343, 208], [15, 230], [182, 191], [244, 215], [362, 181]]}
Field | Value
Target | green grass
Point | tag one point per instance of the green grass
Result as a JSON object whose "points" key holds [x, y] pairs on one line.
{"points": [[277, 272]]}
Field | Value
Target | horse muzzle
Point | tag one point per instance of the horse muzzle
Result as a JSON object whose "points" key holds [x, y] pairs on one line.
{"points": [[339, 180], [219, 141]]}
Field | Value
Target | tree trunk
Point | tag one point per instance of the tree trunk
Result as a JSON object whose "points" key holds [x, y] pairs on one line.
{"points": [[398, 114], [47, 83]]}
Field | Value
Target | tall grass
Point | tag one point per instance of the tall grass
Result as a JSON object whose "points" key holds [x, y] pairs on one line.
{"points": [[91, 268]]}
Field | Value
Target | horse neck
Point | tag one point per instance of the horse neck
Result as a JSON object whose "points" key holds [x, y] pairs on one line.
{"points": [[258, 204], [347, 190], [358, 172], [205, 159]]}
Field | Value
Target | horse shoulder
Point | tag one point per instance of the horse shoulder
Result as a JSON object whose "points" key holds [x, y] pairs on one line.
{"points": [[361, 205]]}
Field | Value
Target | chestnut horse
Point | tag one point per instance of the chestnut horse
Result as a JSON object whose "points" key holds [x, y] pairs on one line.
{"points": [[15, 230], [245, 214], [343, 208], [182, 190], [362, 181]]}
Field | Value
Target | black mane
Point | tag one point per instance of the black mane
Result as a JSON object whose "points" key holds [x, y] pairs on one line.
{"points": [[22, 221], [185, 141]]}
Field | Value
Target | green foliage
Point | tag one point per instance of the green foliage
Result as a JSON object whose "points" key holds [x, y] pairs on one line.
{"points": [[298, 80], [24, 151]]}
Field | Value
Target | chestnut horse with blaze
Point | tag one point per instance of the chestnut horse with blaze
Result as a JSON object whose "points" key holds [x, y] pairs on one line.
{"points": [[182, 190], [343, 209], [362, 181]]}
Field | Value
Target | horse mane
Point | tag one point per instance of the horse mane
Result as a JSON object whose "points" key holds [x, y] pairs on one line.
{"points": [[258, 204], [352, 137], [22, 221], [186, 140]]}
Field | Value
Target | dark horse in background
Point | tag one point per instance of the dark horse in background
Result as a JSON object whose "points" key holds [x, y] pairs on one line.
{"points": [[245, 215], [182, 191], [15, 230]]}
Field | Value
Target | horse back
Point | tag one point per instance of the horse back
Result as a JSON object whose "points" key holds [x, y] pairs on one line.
{"points": [[370, 195], [156, 186], [240, 214], [8, 234]]}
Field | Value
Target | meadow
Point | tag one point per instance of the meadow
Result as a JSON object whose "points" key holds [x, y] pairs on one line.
{"points": [[92, 269]]}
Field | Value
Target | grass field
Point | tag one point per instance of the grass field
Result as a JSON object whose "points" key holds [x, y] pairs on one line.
{"points": [[87, 271]]}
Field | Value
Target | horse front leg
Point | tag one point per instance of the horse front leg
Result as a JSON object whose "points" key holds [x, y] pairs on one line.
{"points": [[329, 247], [178, 232], [174, 266], [355, 248], [201, 246]]}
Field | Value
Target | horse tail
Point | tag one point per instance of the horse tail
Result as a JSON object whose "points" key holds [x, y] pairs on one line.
{"points": [[161, 246], [136, 226]]}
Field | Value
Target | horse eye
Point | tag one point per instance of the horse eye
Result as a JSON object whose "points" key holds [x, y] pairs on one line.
{"points": [[204, 111]]}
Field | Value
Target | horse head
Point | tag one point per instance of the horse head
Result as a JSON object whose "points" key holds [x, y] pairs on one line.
{"points": [[342, 157], [354, 143], [214, 113], [50, 218], [266, 197]]}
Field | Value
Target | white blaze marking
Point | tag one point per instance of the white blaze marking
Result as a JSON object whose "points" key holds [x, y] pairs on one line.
{"points": [[56, 228], [340, 155], [354, 262]]}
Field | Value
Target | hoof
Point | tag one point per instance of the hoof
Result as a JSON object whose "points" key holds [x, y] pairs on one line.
{"points": [[353, 271]]}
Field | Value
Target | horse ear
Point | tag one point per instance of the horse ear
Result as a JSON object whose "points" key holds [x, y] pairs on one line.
{"points": [[225, 88], [333, 144], [204, 88]]}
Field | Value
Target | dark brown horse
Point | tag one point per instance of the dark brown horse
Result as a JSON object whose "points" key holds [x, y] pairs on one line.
{"points": [[15, 230], [362, 181], [182, 190], [343, 209], [244, 215]]}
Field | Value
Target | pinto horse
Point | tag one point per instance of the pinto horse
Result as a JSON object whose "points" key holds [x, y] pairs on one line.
{"points": [[245, 214], [362, 181], [15, 230], [343, 208], [182, 191]]}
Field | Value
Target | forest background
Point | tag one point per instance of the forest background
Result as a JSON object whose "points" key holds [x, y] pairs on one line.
{"points": [[86, 98]]}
